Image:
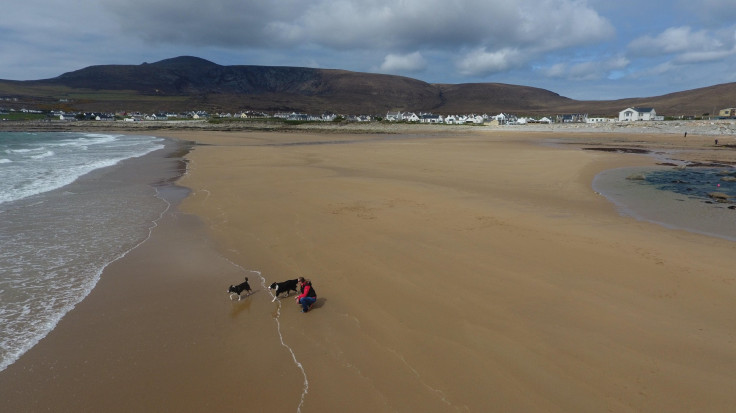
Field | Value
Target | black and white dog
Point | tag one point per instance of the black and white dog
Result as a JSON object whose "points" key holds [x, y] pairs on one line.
{"points": [[238, 289], [288, 285]]}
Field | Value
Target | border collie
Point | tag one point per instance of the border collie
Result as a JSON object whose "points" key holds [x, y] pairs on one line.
{"points": [[288, 285], [238, 289]]}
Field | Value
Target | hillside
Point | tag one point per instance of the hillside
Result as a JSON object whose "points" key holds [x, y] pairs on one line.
{"points": [[190, 83]]}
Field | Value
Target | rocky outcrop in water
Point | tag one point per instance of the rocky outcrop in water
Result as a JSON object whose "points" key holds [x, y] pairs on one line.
{"points": [[718, 196]]}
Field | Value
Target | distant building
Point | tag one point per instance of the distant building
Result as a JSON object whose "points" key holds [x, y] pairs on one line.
{"points": [[475, 119], [430, 118], [728, 113], [411, 117], [599, 120], [633, 114], [394, 116], [572, 118], [503, 118]]}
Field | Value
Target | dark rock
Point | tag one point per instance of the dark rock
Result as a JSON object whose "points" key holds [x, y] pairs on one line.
{"points": [[718, 196]]}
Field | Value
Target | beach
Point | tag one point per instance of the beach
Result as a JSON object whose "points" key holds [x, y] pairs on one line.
{"points": [[466, 269]]}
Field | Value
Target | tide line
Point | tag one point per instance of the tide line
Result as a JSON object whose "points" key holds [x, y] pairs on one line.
{"points": [[13, 355], [305, 390], [277, 320]]}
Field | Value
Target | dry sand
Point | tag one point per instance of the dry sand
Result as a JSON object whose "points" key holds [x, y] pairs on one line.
{"points": [[473, 271]]}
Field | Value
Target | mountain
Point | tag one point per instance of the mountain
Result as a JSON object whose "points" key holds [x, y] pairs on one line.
{"points": [[191, 83]]}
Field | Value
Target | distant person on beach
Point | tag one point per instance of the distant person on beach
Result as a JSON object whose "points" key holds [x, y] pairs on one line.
{"points": [[307, 295], [686, 134]]}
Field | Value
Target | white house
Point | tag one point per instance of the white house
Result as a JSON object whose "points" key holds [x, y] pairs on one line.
{"points": [[430, 118], [503, 118], [475, 119], [394, 116], [633, 114], [411, 117]]}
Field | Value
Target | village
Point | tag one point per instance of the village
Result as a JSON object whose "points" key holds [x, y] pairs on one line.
{"points": [[630, 114]]}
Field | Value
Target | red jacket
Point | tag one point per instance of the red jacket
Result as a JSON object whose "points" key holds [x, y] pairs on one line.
{"points": [[307, 292]]}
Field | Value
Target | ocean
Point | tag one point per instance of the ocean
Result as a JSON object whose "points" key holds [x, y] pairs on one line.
{"points": [[674, 197], [70, 204]]}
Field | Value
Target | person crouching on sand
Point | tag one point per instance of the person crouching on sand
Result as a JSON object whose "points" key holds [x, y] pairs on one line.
{"points": [[308, 295]]}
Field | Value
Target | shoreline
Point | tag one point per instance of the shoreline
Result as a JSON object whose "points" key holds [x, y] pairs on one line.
{"points": [[694, 128], [689, 211], [572, 307], [61, 238]]}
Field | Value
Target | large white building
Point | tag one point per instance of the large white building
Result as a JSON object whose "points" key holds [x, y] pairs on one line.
{"points": [[631, 114]]}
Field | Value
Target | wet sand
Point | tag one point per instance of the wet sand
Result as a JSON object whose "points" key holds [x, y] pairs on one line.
{"points": [[475, 271]]}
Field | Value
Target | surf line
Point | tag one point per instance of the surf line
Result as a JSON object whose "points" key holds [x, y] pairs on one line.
{"points": [[305, 389], [276, 319], [22, 348]]}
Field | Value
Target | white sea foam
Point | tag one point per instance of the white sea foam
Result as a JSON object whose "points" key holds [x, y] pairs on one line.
{"points": [[47, 180], [55, 246], [88, 139], [37, 312], [37, 164], [43, 155]]}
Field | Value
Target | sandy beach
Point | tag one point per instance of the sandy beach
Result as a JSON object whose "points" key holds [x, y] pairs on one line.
{"points": [[460, 270]]}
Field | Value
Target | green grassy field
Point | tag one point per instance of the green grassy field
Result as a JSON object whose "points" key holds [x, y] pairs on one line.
{"points": [[19, 116]]}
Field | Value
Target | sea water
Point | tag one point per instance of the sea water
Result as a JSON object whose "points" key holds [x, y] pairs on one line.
{"points": [[68, 208], [675, 197]]}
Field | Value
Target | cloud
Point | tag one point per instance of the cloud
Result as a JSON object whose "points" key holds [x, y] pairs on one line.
{"points": [[713, 13], [704, 57], [37, 22], [480, 37], [350, 24], [589, 70], [552, 25], [654, 71], [413, 62], [38, 41], [482, 62], [671, 52], [220, 23], [674, 40]]}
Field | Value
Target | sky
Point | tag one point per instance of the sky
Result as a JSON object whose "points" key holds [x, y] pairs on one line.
{"points": [[586, 50]]}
